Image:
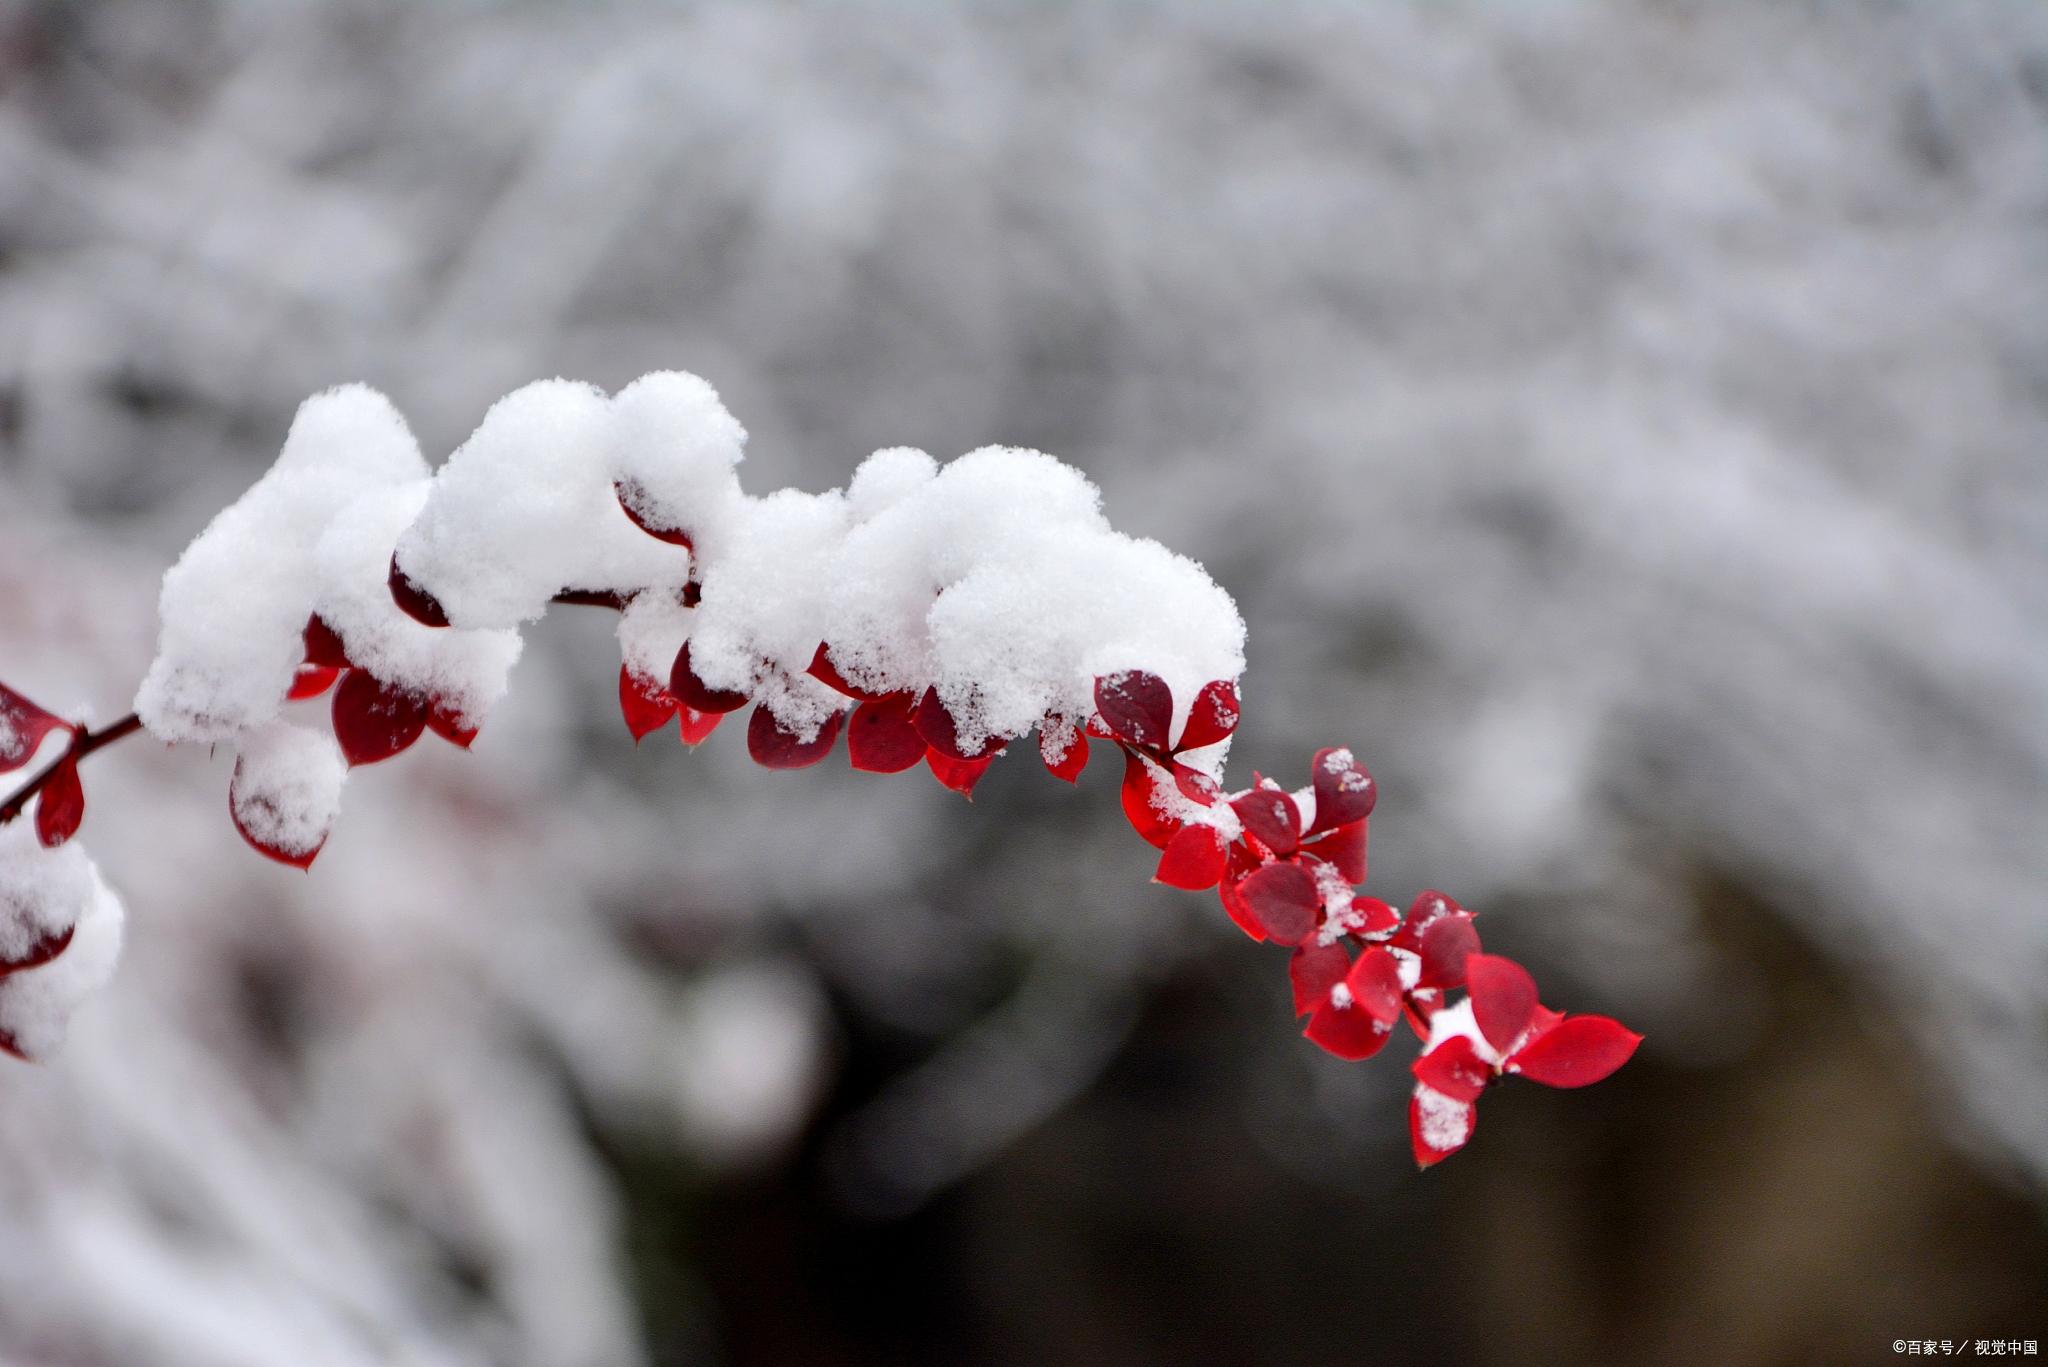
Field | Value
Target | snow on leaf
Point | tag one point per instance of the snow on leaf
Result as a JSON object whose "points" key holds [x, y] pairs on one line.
{"points": [[413, 600], [44, 949], [774, 746], [1137, 706], [825, 672], [324, 645], [1194, 859], [451, 726], [60, 806], [373, 721], [1063, 747], [1438, 1125], [645, 704], [698, 726], [693, 692], [632, 497], [1446, 944], [1143, 795], [880, 737], [23, 725], [1284, 898], [936, 724], [311, 681], [1503, 998], [1213, 717], [1577, 1052], [1344, 791], [1270, 815], [1342, 1028], [1373, 916], [1313, 969], [1455, 1069]]}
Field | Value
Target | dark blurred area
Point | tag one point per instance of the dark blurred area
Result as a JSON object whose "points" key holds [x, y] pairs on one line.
{"points": [[1621, 423]]}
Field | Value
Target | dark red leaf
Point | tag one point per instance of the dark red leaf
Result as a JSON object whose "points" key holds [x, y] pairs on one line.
{"points": [[1577, 1052], [414, 601], [451, 726], [1503, 998], [1343, 847], [1455, 1069], [693, 692], [323, 645], [1346, 1031], [1283, 897], [1445, 947], [1236, 908], [1344, 791], [1146, 798], [1438, 1125], [825, 672], [1195, 785], [959, 774], [1193, 860], [1270, 815], [46, 948], [1069, 763], [374, 722], [23, 725], [1136, 706], [698, 726], [632, 498], [773, 746], [301, 860], [1422, 914], [880, 738], [645, 704], [1376, 917], [1314, 969], [60, 806], [311, 681], [1374, 983], [942, 733], [1213, 716]]}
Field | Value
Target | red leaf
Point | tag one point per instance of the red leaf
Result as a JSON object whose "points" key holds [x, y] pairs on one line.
{"points": [[1578, 1052], [1136, 707], [414, 601], [1213, 716], [1239, 912], [60, 806], [1344, 791], [323, 645], [1193, 860], [1195, 785], [1445, 947], [631, 497], [1270, 815], [1314, 969], [693, 692], [1069, 763], [942, 733], [301, 860], [645, 704], [1422, 914], [880, 738], [825, 672], [698, 726], [959, 774], [1455, 1069], [46, 948], [775, 747], [1374, 983], [374, 722], [1344, 847], [1346, 1031], [23, 725], [1145, 796], [1377, 916], [1438, 1125], [450, 726], [1503, 998], [1283, 897], [310, 681]]}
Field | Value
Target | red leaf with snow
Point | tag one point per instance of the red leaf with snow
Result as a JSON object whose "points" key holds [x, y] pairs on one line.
{"points": [[1136, 706], [1213, 716], [1503, 998], [825, 672], [645, 704], [698, 726], [1344, 791], [774, 746], [1145, 796], [1068, 763], [1455, 1069], [300, 859], [1270, 815], [1236, 908], [414, 601], [880, 737], [1193, 860], [451, 726], [1313, 969], [1423, 913], [1577, 1052], [1346, 1031], [633, 499], [959, 774], [1374, 983], [23, 725], [310, 681], [691, 691], [46, 948], [1375, 916], [1438, 1125], [1343, 847], [936, 724], [1446, 944], [373, 721], [323, 645], [60, 806], [1284, 898], [1195, 785]]}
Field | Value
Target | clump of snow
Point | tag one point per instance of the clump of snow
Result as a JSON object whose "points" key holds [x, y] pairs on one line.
{"points": [[233, 607], [287, 787], [36, 1004], [1459, 1021], [673, 450], [1446, 1122], [652, 630], [43, 892]]}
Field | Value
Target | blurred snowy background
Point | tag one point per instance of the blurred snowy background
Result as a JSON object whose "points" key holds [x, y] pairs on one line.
{"points": [[1625, 424]]}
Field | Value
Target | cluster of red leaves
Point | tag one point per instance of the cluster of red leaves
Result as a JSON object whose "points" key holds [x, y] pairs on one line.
{"points": [[60, 801]]}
